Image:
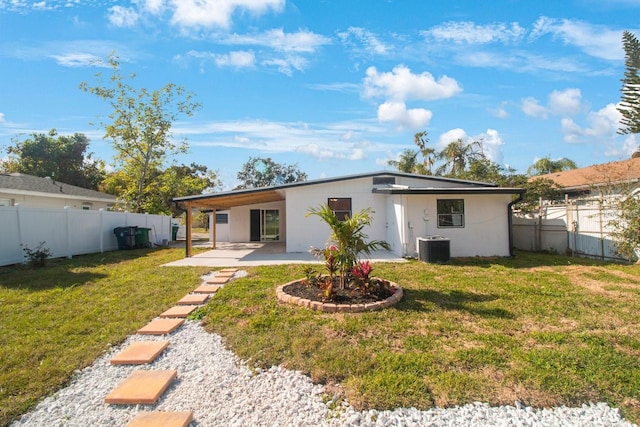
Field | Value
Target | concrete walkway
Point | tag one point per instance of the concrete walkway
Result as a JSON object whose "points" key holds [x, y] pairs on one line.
{"points": [[258, 253]]}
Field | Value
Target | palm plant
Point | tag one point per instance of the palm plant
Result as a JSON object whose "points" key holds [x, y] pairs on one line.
{"points": [[457, 156], [348, 237], [545, 166]]}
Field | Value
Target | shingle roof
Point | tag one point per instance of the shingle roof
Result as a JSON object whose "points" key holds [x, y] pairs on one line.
{"points": [[29, 183], [607, 173]]}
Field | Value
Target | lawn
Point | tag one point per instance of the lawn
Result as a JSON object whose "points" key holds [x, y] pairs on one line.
{"points": [[541, 329], [60, 318], [544, 330]]}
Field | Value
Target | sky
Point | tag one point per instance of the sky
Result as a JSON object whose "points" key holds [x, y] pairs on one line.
{"points": [[336, 87]]}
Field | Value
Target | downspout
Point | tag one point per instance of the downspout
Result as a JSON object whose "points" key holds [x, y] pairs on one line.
{"points": [[510, 221]]}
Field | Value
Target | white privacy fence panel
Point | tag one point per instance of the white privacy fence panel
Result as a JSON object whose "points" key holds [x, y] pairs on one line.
{"points": [[578, 228], [68, 232]]}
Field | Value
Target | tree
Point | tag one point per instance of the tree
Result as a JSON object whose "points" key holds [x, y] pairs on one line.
{"points": [[263, 172], [407, 161], [140, 128], [165, 185], [629, 105], [626, 228], [485, 170], [537, 190], [545, 166], [457, 155], [63, 158], [428, 154]]}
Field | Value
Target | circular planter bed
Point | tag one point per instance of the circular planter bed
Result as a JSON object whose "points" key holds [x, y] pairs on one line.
{"points": [[344, 301]]}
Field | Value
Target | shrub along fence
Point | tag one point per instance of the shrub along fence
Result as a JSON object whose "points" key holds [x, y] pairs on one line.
{"points": [[68, 232]]}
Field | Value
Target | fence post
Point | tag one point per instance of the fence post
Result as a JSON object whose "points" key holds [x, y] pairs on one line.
{"points": [[68, 231], [101, 230], [18, 209]]}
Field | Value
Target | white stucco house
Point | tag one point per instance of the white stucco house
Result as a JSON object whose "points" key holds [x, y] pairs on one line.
{"points": [[32, 191], [474, 216]]}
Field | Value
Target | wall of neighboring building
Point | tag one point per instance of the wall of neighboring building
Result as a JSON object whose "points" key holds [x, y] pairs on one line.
{"points": [[46, 201]]}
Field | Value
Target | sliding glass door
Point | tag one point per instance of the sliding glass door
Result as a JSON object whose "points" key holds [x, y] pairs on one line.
{"points": [[264, 225]]}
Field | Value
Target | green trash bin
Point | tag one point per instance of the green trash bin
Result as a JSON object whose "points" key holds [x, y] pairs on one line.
{"points": [[174, 232], [142, 238]]}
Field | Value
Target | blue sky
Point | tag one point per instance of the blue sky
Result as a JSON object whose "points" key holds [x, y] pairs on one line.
{"points": [[335, 86]]}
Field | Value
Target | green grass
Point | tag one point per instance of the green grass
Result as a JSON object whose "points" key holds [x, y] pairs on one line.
{"points": [[542, 329], [58, 319]]}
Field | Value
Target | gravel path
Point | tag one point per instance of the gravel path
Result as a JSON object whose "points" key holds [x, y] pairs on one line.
{"points": [[221, 391]]}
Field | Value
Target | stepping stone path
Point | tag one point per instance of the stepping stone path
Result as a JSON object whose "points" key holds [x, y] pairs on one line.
{"points": [[164, 419], [146, 387]]}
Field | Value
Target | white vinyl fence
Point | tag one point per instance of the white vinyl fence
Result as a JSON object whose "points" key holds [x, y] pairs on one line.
{"points": [[68, 232], [579, 228]]}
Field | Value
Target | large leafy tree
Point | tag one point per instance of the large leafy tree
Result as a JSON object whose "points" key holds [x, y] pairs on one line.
{"points": [[175, 181], [629, 105], [457, 156], [546, 165], [260, 172], [139, 127], [63, 158]]}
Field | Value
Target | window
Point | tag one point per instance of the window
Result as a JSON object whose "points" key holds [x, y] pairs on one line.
{"points": [[450, 213], [86, 206], [6, 202], [382, 180], [341, 207], [222, 218]]}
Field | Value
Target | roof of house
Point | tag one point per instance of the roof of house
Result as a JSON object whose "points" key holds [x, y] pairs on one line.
{"points": [[624, 171], [19, 183], [227, 199]]}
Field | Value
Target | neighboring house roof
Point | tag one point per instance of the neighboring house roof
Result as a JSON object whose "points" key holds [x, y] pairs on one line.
{"points": [[19, 183], [227, 199], [621, 172]]}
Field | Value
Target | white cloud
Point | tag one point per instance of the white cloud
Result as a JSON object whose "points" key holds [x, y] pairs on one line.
{"points": [[601, 124], [531, 107], [567, 102], [367, 39], [450, 136], [237, 59], [287, 64], [78, 60], [491, 145], [1, 117], [630, 145], [471, 33], [123, 16], [597, 41], [217, 13], [401, 84], [397, 112], [277, 39]]}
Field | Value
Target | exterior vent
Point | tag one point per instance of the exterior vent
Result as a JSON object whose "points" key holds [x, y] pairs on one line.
{"points": [[384, 180]]}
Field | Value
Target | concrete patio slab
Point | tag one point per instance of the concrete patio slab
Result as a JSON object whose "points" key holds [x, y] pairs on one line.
{"points": [[163, 419], [256, 253], [161, 326], [139, 353], [141, 387]]}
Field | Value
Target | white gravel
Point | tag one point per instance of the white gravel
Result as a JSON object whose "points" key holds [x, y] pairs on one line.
{"points": [[221, 390]]}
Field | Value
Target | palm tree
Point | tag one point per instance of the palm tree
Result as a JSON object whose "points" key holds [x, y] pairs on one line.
{"points": [[407, 161], [428, 154], [545, 166], [457, 156]]}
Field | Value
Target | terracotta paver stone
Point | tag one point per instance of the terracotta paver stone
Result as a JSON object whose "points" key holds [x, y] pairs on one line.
{"points": [[164, 419], [228, 274], [207, 289], [141, 387], [140, 352], [193, 299], [179, 311], [228, 270], [217, 280], [161, 326]]}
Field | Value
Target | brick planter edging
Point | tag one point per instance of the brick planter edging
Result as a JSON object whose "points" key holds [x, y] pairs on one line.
{"points": [[328, 307]]}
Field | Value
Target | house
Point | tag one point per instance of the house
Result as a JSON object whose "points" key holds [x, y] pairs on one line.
{"points": [[475, 216], [598, 181], [33, 191]]}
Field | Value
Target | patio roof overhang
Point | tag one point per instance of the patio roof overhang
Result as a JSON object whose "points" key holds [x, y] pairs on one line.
{"points": [[228, 200]]}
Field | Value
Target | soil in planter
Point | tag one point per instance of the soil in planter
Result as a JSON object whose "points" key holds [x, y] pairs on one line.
{"points": [[343, 296]]}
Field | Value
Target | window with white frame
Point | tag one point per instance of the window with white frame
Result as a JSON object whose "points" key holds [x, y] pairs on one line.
{"points": [[450, 213]]}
